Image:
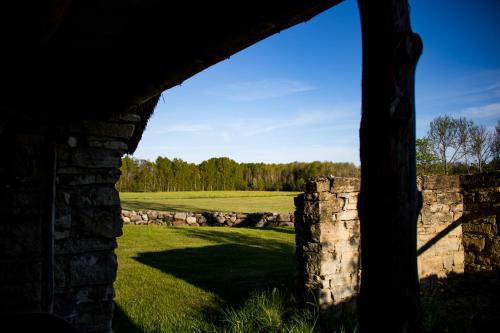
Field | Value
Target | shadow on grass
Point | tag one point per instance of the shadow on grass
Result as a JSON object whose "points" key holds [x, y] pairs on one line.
{"points": [[122, 322], [285, 230], [462, 303], [231, 271], [220, 235]]}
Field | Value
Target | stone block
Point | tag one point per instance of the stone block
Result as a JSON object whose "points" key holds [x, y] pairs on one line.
{"points": [[430, 265], [449, 197], [495, 246], [97, 195], [474, 243], [179, 223], [125, 117], [135, 218], [334, 232], [191, 219], [92, 269], [325, 297], [83, 245], [99, 221], [458, 262], [328, 208], [487, 196], [180, 216], [96, 158], [103, 128], [318, 185], [284, 217], [485, 228], [107, 143], [429, 196], [347, 215], [322, 196], [435, 217], [482, 180], [99, 293], [441, 182], [345, 184]]}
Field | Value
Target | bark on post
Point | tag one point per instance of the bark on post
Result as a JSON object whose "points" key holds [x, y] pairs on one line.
{"points": [[387, 143]]}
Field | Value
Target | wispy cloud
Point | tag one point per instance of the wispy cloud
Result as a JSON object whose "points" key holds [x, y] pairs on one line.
{"points": [[484, 111], [184, 128], [480, 87], [258, 90], [303, 119]]}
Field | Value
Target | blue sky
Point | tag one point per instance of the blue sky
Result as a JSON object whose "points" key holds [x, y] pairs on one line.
{"points": [[296, 95]]}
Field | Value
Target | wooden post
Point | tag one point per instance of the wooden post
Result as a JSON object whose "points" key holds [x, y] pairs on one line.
{"points": [[389, 201]]}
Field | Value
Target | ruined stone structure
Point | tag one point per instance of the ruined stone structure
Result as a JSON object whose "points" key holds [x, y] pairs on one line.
{"points": [[457, 231], [80, 80], [218, 219]]}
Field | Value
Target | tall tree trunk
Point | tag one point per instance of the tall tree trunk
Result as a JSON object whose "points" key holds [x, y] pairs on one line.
{"points": [[389, 201]]}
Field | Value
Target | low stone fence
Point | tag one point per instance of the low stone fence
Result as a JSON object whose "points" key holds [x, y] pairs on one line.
{"points": [[457, 232], [208, 219]]}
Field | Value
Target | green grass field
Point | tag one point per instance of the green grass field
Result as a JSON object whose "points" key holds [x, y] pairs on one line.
{"points": [[221, 201], [177, 279]]}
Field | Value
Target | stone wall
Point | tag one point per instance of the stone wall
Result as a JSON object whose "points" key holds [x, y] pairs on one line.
{"points": [[439, 229], [481, 222], [457, 231], [208, 219]]}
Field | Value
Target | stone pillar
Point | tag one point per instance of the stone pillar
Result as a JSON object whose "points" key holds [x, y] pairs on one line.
{"points": [[88, 219], [327, 238]]}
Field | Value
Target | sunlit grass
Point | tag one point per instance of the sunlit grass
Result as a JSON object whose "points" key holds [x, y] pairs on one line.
{"points": [[177, 279], [222, 201]]}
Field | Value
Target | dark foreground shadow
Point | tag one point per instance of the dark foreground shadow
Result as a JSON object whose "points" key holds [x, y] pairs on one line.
{"points": [[459, 303], [231, 271], [122, 323], [462, 303]]}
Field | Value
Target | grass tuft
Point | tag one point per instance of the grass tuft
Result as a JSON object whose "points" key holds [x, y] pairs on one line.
{"points": [[268, 311]]}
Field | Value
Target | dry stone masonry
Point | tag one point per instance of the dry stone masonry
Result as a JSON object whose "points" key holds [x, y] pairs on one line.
{"points": [[208, 219], [481, 222], [87, 219], [457, 232]]}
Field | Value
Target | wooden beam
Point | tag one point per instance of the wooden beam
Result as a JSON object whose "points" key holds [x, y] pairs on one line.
{"points": [[389, 201]]}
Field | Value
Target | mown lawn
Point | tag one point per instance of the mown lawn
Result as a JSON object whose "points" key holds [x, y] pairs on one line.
{"points": [[221, 201], [177, 279]]}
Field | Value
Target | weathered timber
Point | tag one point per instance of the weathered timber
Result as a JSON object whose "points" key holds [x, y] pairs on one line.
{"points": [[387, 146]]}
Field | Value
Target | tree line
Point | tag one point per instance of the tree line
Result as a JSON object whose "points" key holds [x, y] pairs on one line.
{"points": [[456, 146], [222, 173]]}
